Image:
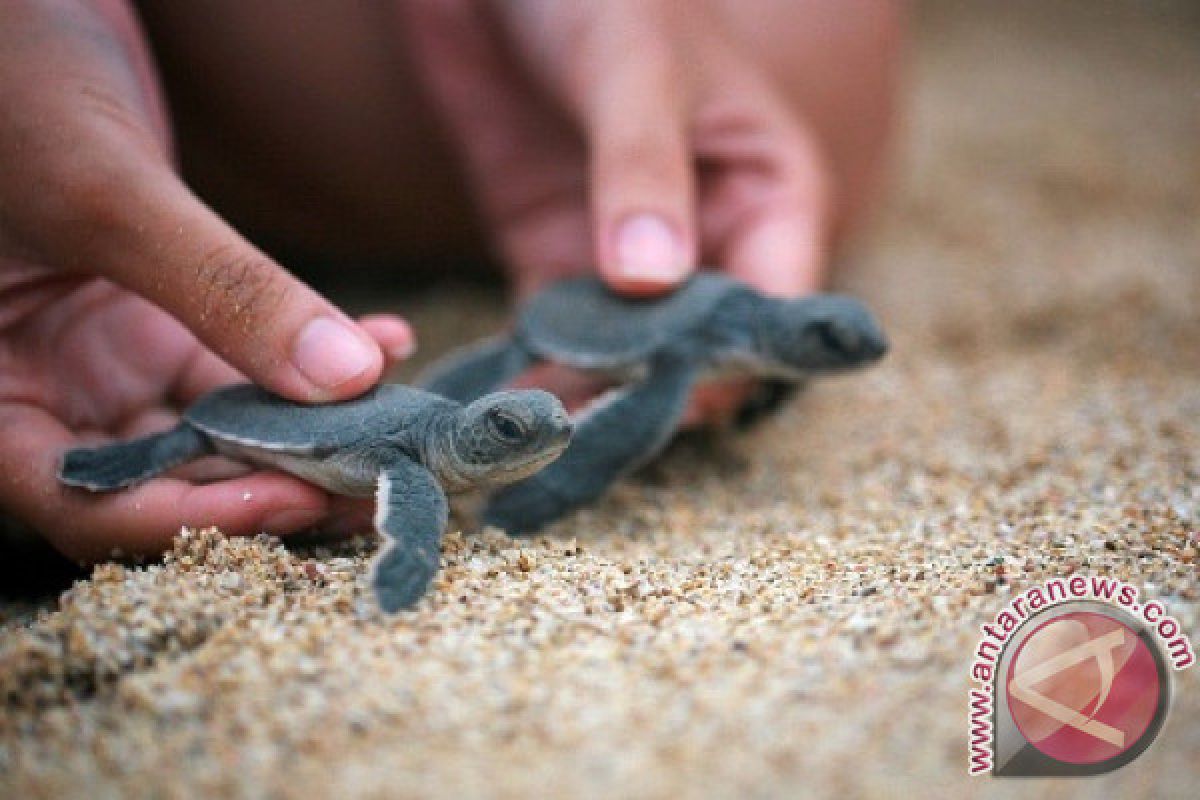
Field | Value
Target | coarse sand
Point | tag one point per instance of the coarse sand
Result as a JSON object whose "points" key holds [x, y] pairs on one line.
{"points": [[787, 612]]}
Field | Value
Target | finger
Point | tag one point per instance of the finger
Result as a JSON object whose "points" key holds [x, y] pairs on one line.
{"points": [[767, 201], [87, 187], [641, 178], [625, 87], [207, 371], [142, 519], [145, 518], [619, 84], [247, 309], [212, 469], [393, 334], [520, 155], [782, 252]]}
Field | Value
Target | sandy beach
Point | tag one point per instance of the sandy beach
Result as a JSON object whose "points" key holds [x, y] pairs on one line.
{"points": [[787, 612]]}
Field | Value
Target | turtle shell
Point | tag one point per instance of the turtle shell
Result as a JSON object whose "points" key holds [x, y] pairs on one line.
{"points": [[252, 416], [581, 322]]}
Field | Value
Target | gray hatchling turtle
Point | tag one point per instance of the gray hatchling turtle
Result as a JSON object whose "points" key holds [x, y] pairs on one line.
{"points": [[404, 445], [656, 350]]}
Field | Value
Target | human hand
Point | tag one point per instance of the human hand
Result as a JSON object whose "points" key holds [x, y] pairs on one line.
{"points": [[122, 296], [635, 136]]}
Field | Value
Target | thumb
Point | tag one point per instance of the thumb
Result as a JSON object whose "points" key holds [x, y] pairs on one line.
{"points": [[158, 240]]}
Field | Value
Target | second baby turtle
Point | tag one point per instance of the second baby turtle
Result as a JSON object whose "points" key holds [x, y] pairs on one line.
{"points": [[405, 446], [656, 350]]}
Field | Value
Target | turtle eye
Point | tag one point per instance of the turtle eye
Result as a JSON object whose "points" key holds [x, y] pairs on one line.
{"points": [[835, 338], [505, 426]]}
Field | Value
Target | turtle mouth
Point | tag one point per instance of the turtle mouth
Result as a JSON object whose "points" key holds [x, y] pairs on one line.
{"points": [[553, 451], [563, 435], [536, 461]]}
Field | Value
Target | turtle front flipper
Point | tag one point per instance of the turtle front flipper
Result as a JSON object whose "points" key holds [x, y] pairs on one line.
{"points": [[470, 372], [116, 466], [411, 514], [620, 431]]}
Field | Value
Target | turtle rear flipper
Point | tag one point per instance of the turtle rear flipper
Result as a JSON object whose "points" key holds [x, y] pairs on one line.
{"points": [[116, 466]]}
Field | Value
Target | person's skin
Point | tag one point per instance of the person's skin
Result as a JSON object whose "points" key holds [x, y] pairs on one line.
{"points": [[639, 138]]}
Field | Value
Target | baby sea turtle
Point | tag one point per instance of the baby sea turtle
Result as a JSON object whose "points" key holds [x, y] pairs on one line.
{"points": [[404, 445], [656, 350]]}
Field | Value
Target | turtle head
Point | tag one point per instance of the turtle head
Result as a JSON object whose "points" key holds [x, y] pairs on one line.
{"points": [[820, 333], [506, 436]]}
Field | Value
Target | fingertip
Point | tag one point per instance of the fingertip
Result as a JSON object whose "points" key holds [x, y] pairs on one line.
{"points": [[781, 256], [646, 254], [336, 358], [393, 334]]}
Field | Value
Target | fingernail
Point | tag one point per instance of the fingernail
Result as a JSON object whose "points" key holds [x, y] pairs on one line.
{"points": [[291, 520], [648, 249], [329, 353]]}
